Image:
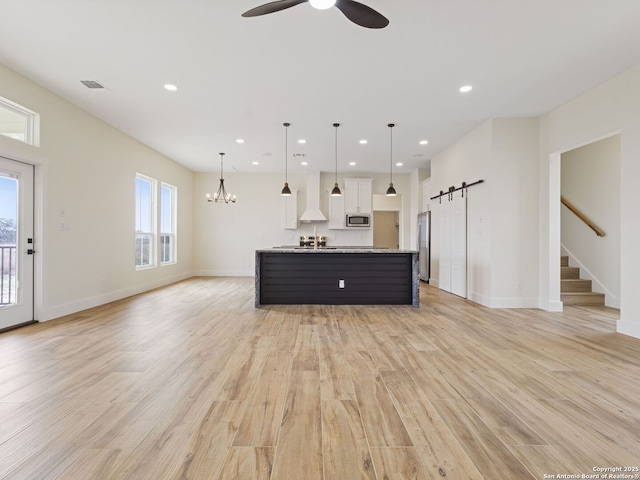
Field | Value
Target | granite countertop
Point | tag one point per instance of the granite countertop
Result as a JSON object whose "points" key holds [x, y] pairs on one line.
{"points": [[336, 249]]}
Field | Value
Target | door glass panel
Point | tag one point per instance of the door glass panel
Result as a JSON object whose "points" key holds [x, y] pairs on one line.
{"points": [[8, 239], [16, 243]]}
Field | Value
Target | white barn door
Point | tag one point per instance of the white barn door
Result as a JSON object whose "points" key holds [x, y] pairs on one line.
{"points": [[453, 245]]}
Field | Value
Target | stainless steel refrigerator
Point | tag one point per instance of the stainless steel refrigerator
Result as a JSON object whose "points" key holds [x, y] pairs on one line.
{"points": [[424, 245]]}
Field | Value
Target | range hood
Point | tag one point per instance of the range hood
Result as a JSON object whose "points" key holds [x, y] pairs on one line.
{"points": [[313, 214]]}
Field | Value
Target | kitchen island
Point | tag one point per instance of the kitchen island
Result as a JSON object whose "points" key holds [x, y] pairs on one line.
{"points": [[336, 276]]}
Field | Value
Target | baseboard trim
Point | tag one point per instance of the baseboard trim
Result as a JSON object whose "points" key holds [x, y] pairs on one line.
{"points": [[551, 306], [513, 302], [224, 273], [505, 302], [50, 313], [628, 328], [19, 325]]}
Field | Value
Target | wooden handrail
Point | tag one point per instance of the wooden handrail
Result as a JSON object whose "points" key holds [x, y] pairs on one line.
{"points": [[582, 217]]}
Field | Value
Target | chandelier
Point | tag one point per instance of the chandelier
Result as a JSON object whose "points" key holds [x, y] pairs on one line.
{"points": [[221, 195]]}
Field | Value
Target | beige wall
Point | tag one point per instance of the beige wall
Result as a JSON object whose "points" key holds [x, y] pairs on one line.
{"points": [[87, 169], [226, 236]]}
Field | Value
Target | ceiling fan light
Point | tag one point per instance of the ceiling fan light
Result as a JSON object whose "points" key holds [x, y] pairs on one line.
{"points": [[322, 4], [336, 191], [391, 192]]}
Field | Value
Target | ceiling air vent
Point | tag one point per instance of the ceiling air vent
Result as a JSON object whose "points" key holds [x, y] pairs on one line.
{"points": [[92, 84]]}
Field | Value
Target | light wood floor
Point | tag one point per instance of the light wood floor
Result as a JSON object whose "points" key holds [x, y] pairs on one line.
{"points": [[192, 382]]}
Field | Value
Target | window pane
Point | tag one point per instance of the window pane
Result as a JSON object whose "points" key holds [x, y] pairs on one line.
{"points": [[145, 224], [143, 250], [17, 122], [167, 223], [8, 235], [143, 205], [166, 248]]}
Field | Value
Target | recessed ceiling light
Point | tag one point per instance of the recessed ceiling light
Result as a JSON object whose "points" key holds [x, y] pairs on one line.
{"points": [[399, 164], [363, 142], [424, 142], [255, 163], [466, 88], [239, 140], [352, 163], [302, 140], [170, 87], [304, 163]]}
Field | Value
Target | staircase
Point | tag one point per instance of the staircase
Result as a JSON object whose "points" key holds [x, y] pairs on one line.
{"points": [[574, 290]]}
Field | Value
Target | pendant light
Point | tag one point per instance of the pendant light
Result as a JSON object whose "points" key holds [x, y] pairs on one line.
{"points": [[221, 195], [336, 189], [391, 192], [286, 191]]}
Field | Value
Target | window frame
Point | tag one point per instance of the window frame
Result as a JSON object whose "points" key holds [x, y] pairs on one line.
{"points": [[172, 234], [142, 234], [31, 131]]}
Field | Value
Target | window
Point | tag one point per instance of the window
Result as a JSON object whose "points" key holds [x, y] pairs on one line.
{"points": [[167, 224], [155, 223], [18, 122], [145, 225]]}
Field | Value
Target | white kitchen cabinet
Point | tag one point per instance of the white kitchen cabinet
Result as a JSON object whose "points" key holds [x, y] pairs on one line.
{"points": [[358, 195], [336, 212], [290, 211]]}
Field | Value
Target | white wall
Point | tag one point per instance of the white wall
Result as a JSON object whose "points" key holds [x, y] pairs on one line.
{"points": [[501, 213], [513, 183], [467, 160], [87, 169], [226, 236], [590, 180], [609, 108]]}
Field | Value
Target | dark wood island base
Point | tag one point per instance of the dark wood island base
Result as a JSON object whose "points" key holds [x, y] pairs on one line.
{"points": [[335, 276]]}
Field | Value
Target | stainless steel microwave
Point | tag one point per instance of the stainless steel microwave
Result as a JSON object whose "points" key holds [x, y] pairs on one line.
{"points": [[358, 221]]}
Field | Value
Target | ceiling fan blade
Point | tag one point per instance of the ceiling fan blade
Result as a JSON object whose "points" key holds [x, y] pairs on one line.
{"points": [[272, 7], [361, 14]]}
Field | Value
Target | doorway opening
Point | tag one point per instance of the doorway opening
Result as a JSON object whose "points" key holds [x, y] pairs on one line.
{"points": [[387, 221], [386, 233], [567, 167], [590, 223]]}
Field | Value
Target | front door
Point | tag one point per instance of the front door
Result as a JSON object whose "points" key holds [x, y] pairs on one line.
{"points": [[16, 243]]}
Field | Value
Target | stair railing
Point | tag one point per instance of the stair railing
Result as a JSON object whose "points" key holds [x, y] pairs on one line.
{"points": [[582, 217]]}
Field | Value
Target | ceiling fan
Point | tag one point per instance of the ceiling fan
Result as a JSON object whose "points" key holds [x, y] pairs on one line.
{"points": [[356, 12]]}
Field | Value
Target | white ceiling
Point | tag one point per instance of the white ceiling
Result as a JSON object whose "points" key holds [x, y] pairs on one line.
{"points": [[243, 77]]}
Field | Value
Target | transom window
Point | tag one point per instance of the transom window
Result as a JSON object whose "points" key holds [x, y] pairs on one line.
{"points": [[18, 122]]}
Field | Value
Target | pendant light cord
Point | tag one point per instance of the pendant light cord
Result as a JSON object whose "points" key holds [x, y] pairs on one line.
{"points": [[286, 153], [391, 125], [336, 125]]}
